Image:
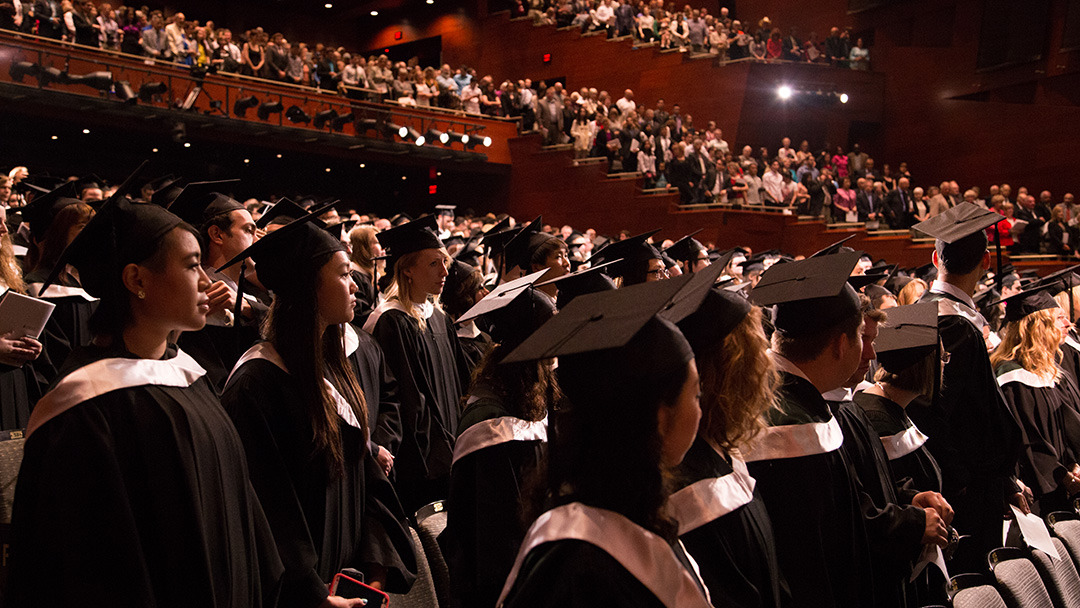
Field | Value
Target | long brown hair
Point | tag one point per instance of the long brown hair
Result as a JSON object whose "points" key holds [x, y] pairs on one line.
{"points": [[526, 389], [293, 327], [10, 274], [738, 384], [1033, 342], [45, 256]]}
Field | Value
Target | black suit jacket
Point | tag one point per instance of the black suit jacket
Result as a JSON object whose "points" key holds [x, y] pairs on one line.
{"points": [[863, 204], [896, 209], [44, 12]]}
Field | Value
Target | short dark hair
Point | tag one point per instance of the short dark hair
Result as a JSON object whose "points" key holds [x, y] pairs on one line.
{"points": [[964, 255], [809, 346]]}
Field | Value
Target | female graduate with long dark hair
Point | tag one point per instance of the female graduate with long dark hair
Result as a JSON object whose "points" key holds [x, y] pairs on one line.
{"points": [[302, 415], [722, 522], [631, 413], [134, 490], [500, 446], [422, 352], [20, 386], [1045, 400]]}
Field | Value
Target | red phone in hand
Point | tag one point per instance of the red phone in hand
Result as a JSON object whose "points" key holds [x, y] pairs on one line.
{"points": [[348, 587]]}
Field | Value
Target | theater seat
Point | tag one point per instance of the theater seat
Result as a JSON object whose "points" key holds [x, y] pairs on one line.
{"points": [[1059, 575], [1066, 526], [974, 591], [431, 521], [422, 594], [1018, 579], [11, 454]]}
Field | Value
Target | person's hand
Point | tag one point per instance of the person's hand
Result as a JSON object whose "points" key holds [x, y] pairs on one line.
{"points": [[222, 297], [385, 460], [1020, 501], [936, 532], [933, 500], [1071, 483], [334, 601], [19, 349]]}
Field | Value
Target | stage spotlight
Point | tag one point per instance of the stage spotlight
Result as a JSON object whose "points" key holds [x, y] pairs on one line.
{"points": [[784, 92], [338, 124], [242, 105], [19, 69], [478, 141], [409, 133], [366, 124], [102, 81], [297, 114], [149, 90], [268, 108], [844, 98], [125, 92], [324, 117], [434, 135], [390, 130], [49, 75]]}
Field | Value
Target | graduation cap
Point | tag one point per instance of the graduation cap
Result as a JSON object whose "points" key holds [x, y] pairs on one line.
{"points": [[874, 292], [89, 181], [520, 248], [201, 202], [445, 209], [606, 321], [835, 248], [410, 237], [282, 212], [630, 252], [898, 282], [908, 336], [514, 310], [499, 226], [958, 222], [985, 298], [926, 272], [452, 240], [121, 232], [811, 294], [686, 249], [1032, 300], [167, 192], [689, 299], [400, 219], [1060, 281], [469, 254], [41, 211], [581, 282], [280, 255], [859, 281], [719, 313], [339, 230]]}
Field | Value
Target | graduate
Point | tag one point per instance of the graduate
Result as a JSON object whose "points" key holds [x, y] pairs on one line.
{"points": [[55, 219], [464, 288], [723, 522], [640, 261], [364, 259], [580, 282], [302, 416], [134, 488], [689, 253], [500, 445], [802, 474], [910, 358], [972, 433], [1045, 399], [631, 414], [380, 394], [1064, 286], [20, 386], [225, 229], [422, 351], [531, 251]]}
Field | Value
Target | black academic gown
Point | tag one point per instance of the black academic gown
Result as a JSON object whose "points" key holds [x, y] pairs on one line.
{"points": [[69, 326], [1070, 356], [1049, 421], [821, 539], [138, 496], [911, 465], [972, 431], [430, 373], [578, 573], [367, 297], [321, 523], [894, 527], [485, 523], [474, 345], [379, 386], [735, 551]]}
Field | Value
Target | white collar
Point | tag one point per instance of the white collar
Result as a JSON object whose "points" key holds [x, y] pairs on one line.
{"points": [[942, 287], [497, 431], [709, 499], [784, 364], [468, 330]]}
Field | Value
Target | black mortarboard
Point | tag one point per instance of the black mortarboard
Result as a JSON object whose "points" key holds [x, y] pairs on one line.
{"points": [[1026, 302], [41, 211], [603, 321], [581, 282], [468, 253], [858, 281], [834, 248], [1059, 281], [908, 335], [958, 222], [631, 251], [720, 312], [200, 202], [413, 236], [340, 230], [401, 219], [897, 283], [520, 248], [513, 309], [926, 272], [876, 291], [282, 212], [455, 239], [686, 249], [445, 209], [494, 242], [689, 299], [167, 192], [499, 226], [89, 181], [120, 233], [984, 298], [811, 294], [281, 255]]}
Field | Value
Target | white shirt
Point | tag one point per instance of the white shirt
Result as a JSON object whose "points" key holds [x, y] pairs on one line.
{"points": [[942, 287], [626, 105], [774, 184]]}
